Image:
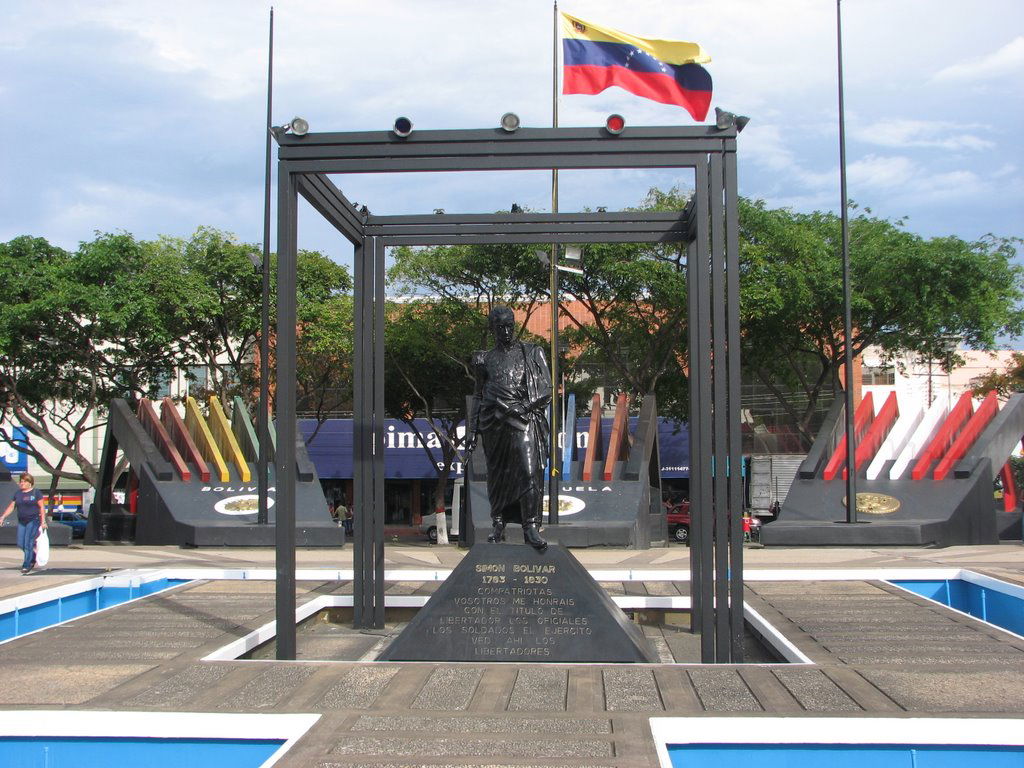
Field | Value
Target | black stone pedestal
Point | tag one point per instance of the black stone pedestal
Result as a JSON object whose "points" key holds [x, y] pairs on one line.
{"points": [[506, 602]]}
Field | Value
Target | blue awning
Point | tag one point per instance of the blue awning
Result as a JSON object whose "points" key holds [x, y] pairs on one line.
{"points": [[406, 458]]}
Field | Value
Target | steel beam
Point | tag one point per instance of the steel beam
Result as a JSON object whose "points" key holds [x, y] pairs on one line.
{"points": [[330, 203], [431, 164]]}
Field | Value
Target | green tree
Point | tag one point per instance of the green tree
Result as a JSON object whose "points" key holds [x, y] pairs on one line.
{"points": [[117, 316], [77, 330], [1004, 383], [225, 306], [633, 330], [631, 333], [477, 276], [324, 354], [909, 295]]}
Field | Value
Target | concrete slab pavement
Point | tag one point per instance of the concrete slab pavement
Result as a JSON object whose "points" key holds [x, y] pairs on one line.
{"points": [[876, 650]]}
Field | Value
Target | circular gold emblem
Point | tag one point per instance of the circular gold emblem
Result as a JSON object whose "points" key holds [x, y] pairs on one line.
{"points": [[876, 503]]}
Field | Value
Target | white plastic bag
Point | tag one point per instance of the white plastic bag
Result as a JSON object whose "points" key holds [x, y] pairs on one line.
{"points": [[42, 548]]}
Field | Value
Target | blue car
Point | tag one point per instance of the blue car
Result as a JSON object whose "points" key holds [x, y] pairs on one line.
{"points": [[76, 520]]}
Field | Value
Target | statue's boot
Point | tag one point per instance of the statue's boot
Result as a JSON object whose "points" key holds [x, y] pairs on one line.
{"points": [[531, 537], [498, 532]]}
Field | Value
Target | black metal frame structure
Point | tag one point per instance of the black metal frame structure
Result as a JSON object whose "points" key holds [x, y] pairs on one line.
{"points": [[709, 227]]}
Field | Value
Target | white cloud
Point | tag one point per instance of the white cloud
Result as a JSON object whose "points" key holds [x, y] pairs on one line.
{"points": [[155, 70], [1007, 60], [923, 133], [766, 145], [900, 178], [75, 208], [877, 172]]}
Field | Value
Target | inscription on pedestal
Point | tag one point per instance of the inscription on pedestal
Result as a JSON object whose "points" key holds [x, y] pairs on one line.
{"points": [[515, 613], [511, 603]]}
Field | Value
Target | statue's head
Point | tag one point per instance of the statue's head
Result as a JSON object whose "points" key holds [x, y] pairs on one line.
{"points": [[502, 324]]}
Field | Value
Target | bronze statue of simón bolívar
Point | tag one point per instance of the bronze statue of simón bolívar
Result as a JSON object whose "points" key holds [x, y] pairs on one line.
{"points": [[513, 390]]}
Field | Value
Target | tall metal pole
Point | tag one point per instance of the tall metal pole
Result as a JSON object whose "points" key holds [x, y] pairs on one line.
{"points": [[555, 399], [851, 438], [263, 420]]}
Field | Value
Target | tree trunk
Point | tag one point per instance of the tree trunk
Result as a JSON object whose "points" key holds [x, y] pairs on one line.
{"points": [[440, 519]]}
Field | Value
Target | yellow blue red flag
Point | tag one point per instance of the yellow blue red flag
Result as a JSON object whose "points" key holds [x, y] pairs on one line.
{"points": [[667, 71]]}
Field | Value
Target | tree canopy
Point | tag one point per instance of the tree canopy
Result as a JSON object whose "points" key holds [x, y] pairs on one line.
{"points": [[79, 329], [428, 345], [909, 295], [115, 317]]}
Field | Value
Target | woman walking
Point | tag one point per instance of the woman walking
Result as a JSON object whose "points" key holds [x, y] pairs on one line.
{"points": [[31, 517]]}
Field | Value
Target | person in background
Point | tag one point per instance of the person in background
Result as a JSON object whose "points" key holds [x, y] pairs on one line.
{"points": [[346, 517], [31, 518]]}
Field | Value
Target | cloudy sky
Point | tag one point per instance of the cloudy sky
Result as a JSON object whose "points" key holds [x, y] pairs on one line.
{"points": [[148, 116]]}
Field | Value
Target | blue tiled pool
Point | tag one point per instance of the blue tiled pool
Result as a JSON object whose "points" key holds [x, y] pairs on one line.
{"points": [[843, 756], [850, 742], [95, 739], [22, 619], [996, 603], [84, 752]]}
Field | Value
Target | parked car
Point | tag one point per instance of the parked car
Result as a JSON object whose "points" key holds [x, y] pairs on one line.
{"points": [[678, 519], [429, 525], [76, 520]]}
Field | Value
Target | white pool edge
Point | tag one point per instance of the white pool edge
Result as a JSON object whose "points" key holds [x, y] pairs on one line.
{"points": [[785, 648], [237, 648]]}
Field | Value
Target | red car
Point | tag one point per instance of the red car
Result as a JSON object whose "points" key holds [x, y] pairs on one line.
{"points": [[678, 518]]}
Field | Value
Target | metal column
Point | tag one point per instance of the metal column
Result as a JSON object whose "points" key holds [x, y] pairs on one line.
{"points": [[716, 555], [368, 454], [284, 530], [702, 502], [720, 410], [732, 278], [377, 436]]}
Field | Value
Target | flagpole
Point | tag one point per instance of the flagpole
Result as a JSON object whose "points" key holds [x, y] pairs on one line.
{"points": [[555, 399], [263, 421], [851, 437]]}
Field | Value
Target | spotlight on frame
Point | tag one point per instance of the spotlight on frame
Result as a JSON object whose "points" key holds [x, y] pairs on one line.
{"points": [[615, 124], [297, 127], [510, 122], [402, 127], [725, 120]]}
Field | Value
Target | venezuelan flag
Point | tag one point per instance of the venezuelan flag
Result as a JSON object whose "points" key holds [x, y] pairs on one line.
{"points": [[666, 71]]}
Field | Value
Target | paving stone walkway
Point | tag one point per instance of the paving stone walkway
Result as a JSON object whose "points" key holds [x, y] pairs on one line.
{"points": [[877, 650]]}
